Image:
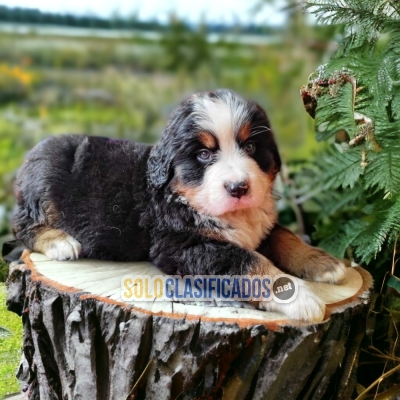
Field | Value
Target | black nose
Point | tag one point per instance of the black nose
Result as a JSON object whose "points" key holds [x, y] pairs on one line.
{"points": [[237, 189]]}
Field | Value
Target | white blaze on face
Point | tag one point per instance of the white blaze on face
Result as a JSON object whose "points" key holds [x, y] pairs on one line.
{"points": [[224, 117]]}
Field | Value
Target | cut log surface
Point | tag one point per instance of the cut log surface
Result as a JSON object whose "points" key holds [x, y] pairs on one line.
{"points": [[82, 341]]}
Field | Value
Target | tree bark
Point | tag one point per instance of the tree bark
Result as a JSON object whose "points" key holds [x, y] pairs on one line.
{"points": [[81, 342]]}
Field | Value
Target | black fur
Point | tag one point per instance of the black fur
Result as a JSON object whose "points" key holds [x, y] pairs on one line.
{"points": [[117, 200]]}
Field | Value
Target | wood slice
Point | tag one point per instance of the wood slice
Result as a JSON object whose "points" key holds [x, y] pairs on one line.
{"points": [[82, 341]]}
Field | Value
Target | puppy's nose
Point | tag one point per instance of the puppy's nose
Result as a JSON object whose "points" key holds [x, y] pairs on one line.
{"points": [[237, 189]]}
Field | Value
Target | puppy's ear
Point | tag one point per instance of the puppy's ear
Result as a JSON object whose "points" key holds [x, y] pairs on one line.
{"points": [[275, 155], [263, 120], [160, 163]]}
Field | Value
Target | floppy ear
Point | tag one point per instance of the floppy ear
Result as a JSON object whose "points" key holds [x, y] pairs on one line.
{"points": [[275, 153], [277, 158], [264, 120], [159, 164]]}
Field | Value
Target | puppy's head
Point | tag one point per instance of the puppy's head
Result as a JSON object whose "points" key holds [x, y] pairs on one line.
{"points": [[218, 152]]}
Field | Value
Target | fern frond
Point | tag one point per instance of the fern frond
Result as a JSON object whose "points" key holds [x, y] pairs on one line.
{"points": [[372, 14], [332, 108], [342, 236], [383, 229], [333, 201], [383, 170], [340, 169]]}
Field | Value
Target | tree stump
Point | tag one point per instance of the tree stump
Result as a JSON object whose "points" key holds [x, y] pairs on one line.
{"points": [[82, 342]]}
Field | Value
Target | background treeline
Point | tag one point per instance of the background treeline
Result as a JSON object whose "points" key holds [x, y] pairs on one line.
{"points": [[35, 16]]}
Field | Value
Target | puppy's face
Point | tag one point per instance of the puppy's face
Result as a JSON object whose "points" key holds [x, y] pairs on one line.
{"points": [[225, 158]]}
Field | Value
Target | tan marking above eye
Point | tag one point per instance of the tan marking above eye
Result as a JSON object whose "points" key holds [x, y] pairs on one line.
{"points": [[244, 132], [208, 140]]}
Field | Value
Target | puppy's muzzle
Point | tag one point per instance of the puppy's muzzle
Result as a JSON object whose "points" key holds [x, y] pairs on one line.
{"points": [[237, 189]]}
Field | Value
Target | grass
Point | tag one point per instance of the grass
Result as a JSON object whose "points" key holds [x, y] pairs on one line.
{"points": [[10, 346]]}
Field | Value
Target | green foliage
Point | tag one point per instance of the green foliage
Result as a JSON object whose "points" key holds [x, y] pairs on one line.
{"points": [[3, 271], [331, 109], [339, 168], [354, 183], [355, 99]]}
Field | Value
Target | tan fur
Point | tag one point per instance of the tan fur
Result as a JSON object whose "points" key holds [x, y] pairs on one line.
{"points": [[56, 244], [45, 237], [298, 258], [244, 132], [188, 192], [263, 266], [208, 140], [246, 228]]}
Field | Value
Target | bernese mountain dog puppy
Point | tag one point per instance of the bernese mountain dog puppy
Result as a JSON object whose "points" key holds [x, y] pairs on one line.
{"points": [[198, 202]]}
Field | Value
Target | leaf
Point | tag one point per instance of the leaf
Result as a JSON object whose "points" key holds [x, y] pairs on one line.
{"points": [[394, 283], [390, 394]]}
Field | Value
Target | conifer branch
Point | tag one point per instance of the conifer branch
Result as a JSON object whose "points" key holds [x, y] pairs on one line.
{"points": [[355, 100]]}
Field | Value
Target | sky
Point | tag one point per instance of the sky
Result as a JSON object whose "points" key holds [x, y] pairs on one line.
{"points": [[220, 11]]}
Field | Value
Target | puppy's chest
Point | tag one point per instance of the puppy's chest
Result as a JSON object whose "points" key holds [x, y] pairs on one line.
{"points": [[246, 228]]}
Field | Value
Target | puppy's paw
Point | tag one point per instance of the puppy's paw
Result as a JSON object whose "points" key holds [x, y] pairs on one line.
{"points": [[321, 267], [63, 249], [306, 307]]}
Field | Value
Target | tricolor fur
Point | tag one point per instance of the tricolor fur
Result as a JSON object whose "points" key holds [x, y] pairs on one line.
{"points": [[199, 202]]}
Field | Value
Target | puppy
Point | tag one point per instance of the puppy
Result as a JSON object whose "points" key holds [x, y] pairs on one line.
{"points": [[198, 202]]}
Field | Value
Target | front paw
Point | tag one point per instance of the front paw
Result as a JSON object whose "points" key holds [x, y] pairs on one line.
{"points": [[319, 266], [64, 249], [307, 306]]}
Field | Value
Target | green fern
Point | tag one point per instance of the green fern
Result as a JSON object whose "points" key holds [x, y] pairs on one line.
{"points": [[355, 100], [382, 230], [340, 168]]}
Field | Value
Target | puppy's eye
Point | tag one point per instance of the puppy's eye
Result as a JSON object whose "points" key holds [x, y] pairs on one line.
{"points": [[249, 148], [204, 155]]}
